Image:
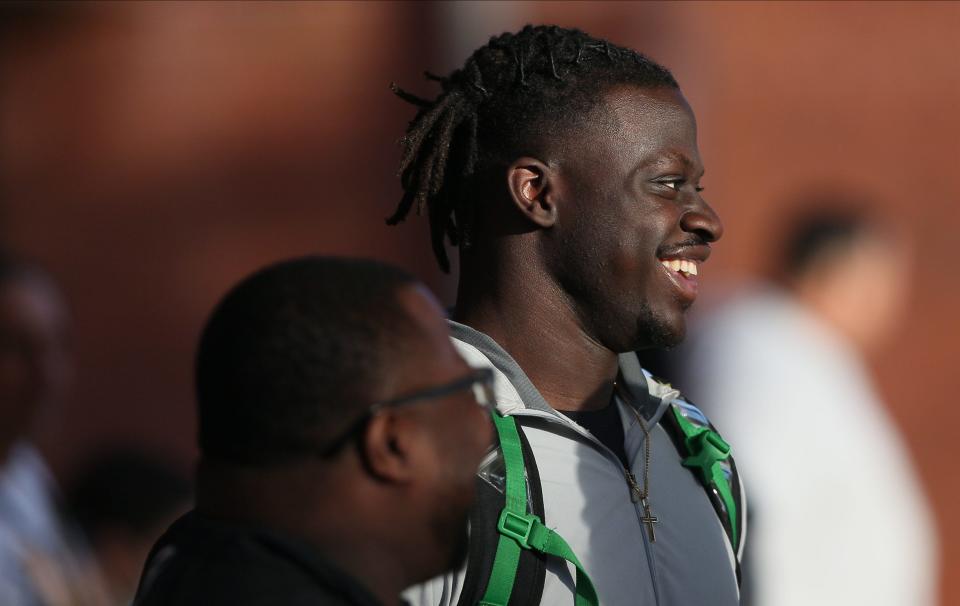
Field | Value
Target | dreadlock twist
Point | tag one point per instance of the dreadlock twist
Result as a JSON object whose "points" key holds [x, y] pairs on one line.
{"points": [[497, 105]]}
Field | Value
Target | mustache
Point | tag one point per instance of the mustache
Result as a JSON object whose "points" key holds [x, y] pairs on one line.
{"points": [[676, 248]]}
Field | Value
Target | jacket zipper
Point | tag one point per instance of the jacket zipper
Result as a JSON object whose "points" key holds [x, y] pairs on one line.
{"points": [[630, 478]]}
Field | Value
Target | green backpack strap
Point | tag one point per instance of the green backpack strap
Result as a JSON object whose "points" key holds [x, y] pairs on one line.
{"points": [[522, 530], [705, 452]]}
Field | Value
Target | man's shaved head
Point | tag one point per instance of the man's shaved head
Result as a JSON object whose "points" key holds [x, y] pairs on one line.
{"points": [[293, 354]]}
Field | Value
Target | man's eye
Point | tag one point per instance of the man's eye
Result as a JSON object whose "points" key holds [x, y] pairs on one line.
{"points": [[674, 185]]}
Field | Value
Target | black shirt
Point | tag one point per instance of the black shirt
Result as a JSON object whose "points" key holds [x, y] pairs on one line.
{"points": [[200, 561], [606, 426]]}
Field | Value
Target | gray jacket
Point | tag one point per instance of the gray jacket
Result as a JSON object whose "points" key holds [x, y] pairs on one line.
{"points": [[587, 499]]}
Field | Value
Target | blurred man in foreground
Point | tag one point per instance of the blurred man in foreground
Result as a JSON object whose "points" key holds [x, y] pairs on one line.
{"points": [[340, 434], [838, 516]]}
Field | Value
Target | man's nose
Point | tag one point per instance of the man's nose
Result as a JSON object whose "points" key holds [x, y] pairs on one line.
{"points": [[703, 221]]}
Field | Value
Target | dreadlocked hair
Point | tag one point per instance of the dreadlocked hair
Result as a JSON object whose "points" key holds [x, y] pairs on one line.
{"points": [[507, 100]]}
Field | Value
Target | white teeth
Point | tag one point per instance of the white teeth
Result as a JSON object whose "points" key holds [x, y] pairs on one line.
{"points": [[681, 265]]}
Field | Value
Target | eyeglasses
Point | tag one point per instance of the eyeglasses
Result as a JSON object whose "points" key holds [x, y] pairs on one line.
{"points": [[479, 381]]}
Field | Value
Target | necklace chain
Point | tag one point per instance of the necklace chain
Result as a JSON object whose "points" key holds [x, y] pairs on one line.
{"points": [[645, 490], [641, 494]]}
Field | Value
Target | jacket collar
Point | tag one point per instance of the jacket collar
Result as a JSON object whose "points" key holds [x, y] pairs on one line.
{"points": [[650, 397]]}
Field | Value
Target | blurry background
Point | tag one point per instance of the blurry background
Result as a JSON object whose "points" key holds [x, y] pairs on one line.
{"points": [[151, 154]]}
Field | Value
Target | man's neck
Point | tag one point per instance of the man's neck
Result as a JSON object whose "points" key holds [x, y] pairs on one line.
{"points": [[299, 510], [365, 561], [543, 334]]}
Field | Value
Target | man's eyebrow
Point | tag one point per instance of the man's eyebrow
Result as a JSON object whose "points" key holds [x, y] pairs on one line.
{"points": [[671, 155]]}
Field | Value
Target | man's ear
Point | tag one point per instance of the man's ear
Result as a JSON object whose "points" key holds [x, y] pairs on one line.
{"points": [[388, 448], [531, 190]]}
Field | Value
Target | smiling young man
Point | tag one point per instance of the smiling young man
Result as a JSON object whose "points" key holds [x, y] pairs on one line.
{"points": [[566, 169]]}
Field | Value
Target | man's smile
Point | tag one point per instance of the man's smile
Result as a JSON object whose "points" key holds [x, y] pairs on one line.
{"points": [[683, 274], [682, 265]]}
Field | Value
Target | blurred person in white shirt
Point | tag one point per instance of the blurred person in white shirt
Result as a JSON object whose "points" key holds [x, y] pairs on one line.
{"points": [[838, 515], [41, 561]]}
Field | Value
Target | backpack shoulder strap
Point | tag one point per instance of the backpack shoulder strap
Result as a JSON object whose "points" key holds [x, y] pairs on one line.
{"points": [[484, 536], [521, 530], [708, 456]]}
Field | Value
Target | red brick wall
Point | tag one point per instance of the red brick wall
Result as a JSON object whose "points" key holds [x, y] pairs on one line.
{"points": [[152, 154]]}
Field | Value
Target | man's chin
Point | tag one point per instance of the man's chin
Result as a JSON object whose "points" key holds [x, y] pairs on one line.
{"points": [[669, 340], [657, 332]]}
